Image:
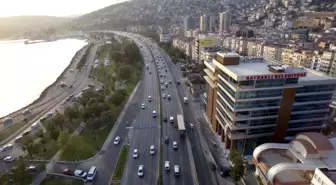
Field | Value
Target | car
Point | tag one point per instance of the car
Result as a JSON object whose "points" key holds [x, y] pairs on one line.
{"points": [[178, 83], [149, 98], [80, 173], [17, 139], [154, 114], [162, 82], [166, 139], [191, 126], [168, 96], [167, 166], [91, 174], [162, 88], [150, 72], [176, 170], [68, 172], [6, 147], [135, 153], [166, 70], [170, 81], [164, 95], [171, 119], [9, 159], [143, 106], [175, 146], [116, 140], [152, 150], [70, 86], [165, 119], [141, 171], [31, 169]]}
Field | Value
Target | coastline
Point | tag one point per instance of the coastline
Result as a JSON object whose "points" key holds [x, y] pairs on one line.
{"points": [[45, 91]]}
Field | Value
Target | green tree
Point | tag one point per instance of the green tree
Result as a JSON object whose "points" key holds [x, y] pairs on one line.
{"points": [[4, 178], [63, 138], [32, 149], [19, 173], [238, 167], [77, 149], [326, 130], [59, 120], [125, 72], [71, 113], [118, 97]]}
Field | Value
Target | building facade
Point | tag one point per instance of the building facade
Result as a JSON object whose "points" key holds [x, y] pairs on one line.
{"points": [[225, 21], [272, 52], [206, 23], [189, 23], [251, 102]]}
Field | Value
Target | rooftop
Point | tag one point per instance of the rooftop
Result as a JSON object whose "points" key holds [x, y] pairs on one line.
{"points": [[260, 66]]}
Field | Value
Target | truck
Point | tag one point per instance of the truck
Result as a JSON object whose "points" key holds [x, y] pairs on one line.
{"points": [[180, 124]]}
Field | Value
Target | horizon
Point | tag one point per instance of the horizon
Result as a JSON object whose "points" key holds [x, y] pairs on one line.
{"points": [[61, 8]]}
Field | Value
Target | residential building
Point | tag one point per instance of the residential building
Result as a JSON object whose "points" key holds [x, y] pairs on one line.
{"points": [[189, 23], [164, 35], [309, 159], [225, 21], [206, 23], [323, 62], [183, 44], [242, 48], [201, 44], [297, 57], [286, 55], [255, 48], [272, 52], [227, 43], [208, 54], [250, 101]]}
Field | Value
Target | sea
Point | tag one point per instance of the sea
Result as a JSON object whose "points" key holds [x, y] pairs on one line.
{"points": [[27, 69]]}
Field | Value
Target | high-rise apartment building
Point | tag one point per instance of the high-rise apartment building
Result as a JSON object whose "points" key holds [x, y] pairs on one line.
{"points": [[206, 23], [251, 101], [189, 23], [225, 21]]}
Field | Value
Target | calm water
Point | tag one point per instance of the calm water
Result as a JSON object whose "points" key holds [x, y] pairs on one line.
{"points": [[26, 70]]}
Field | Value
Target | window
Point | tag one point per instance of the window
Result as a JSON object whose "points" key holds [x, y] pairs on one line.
{"points": [[227, 88], [265, 112], [257, 103], [315, 97], [315, 88], [269, 83], [308, 115], [309, 107], [262, 122], [291, 81], [246, 83], [259, 94], [225, 97]]}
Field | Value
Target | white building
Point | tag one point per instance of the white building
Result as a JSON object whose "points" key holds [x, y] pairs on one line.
{"points": [[206, 23], [309, 159]]}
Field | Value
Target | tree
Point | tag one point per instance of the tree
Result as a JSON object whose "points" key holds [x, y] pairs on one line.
{"points": [[118, 97], [125, 72], [71, 113], [59, 120], [326, 130], [63, 138], [77, 149], [32, 149], [238, 167], [19, 173], [4, 178]]}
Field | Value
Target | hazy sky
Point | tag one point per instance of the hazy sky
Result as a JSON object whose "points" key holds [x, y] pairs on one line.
{"points": [[51, 7]]}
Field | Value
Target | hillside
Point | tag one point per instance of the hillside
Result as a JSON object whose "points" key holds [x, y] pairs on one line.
{"points": [[10, 26], [144, 12]]}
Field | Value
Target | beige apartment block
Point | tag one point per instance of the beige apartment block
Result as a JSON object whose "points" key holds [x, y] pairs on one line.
{"points": [[272, 52]]}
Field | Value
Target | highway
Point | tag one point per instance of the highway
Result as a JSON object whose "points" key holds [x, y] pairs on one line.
{"points": [[146, 130], [79, 80], [205, 175]]}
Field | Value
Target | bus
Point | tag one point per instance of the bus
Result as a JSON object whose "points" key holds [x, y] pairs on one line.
{"points": [[180, 124]]}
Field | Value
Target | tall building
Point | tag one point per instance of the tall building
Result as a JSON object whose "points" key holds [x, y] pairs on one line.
{"points": [[206, 23], [309, 159], [225, 21], [189, 23], [251, 102]]}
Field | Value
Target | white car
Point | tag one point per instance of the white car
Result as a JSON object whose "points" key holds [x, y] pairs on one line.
{"points": [[116, 140], [175, 146], [164, 95], [168, 96], [6, 147], [80, 173], [191, 126], [9, 159], [135, 153], [141, 171], [152, 150], [149, 98], [143, 106], [167, 166]]}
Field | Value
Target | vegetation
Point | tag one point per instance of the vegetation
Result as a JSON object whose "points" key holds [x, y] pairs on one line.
{"points": [[102, 51], [159, 181], [19, 175], [57, 180], [115, 183], [82, 61], [174, 53], [326, 130], [119, 169], [238, 167]]}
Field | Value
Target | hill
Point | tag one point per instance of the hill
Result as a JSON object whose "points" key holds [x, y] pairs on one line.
{"points": [[15, 25]]}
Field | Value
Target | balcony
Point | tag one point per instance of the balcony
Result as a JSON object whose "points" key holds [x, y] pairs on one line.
{"points": [[210, 74], [210, 65]]}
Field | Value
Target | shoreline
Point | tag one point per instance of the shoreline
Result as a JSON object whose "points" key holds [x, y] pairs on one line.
{"points": [[45, 91]]}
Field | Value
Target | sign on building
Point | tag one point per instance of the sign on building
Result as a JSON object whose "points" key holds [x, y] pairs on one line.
{"points": [[208, 42]]}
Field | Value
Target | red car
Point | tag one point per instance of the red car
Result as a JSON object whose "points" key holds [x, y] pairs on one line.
{"points": [[68, 172]]}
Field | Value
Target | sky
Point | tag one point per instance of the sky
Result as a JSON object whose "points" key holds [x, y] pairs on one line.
{"points": [[51, 7]]}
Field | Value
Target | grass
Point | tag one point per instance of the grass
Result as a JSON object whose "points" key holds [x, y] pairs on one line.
{"points": [[55, 180], [119, 169], [15, 126], [115, 183], [159, 181]]}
